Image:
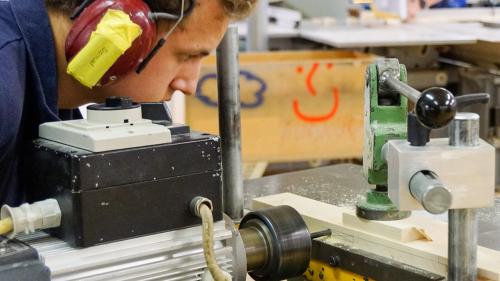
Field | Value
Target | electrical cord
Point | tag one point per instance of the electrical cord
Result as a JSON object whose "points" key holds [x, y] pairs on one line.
{"points": [[208, 244]]}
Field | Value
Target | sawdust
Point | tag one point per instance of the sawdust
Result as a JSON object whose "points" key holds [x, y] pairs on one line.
{"points": [[424, 234]]}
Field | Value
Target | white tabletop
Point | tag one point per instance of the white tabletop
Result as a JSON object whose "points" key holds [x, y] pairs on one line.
{"points": [[391, 35]]}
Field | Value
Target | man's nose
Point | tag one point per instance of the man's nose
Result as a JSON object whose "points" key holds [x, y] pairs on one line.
{"points": [[187, 86], [186, 79]]}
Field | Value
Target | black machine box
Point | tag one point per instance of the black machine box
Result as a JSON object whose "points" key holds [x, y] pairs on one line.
{"points": [[119, 194]]}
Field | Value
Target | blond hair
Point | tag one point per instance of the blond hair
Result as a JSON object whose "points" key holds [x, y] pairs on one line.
{"points": [[238, 9], [235, 9]]}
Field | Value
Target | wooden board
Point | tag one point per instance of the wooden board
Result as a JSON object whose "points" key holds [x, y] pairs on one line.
{"points": [[422, 253], [483, 54], [404, 230], [296, 106]]}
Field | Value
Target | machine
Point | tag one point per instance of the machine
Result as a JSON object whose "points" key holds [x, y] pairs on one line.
{"points": [[412, 171], [122, 209], [127, 195]]}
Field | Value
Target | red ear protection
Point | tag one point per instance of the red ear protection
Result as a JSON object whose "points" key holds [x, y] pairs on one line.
{"points": [[88, 20]]}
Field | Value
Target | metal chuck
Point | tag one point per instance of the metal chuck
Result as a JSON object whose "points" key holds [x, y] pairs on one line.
{"points": [[277, 243]]}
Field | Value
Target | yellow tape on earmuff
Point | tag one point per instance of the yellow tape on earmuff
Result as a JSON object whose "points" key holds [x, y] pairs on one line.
{"points": [[113, 36]]}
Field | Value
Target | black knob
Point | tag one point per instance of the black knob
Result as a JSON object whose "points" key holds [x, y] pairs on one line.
{"points": [[114, 103], [436, 108], [122, 102]]}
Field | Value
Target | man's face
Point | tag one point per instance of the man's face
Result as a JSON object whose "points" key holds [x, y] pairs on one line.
{"points": [[177, 65]]}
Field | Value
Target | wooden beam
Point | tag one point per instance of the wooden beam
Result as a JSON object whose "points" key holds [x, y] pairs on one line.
{"points": [[384, 238]]}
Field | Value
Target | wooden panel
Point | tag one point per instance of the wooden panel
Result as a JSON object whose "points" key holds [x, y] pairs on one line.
{"points": [[295, 105], [483, 54], [422, 253]]}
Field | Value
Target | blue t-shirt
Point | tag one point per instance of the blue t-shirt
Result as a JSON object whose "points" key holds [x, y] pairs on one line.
{"points": [[451, 4], [28, 89]]}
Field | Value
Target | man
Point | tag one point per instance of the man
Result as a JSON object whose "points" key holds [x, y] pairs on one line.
{"points": [[35, 87], [414, 6]]}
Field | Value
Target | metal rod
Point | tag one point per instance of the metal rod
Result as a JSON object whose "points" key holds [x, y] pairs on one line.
{"points": [[462, 223], [462, 245], [428, 190], [257, 37], [229, 123], [400, 87], [318, 234]]}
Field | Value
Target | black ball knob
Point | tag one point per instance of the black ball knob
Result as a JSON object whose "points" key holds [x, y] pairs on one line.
{"points": [[436, 108]]}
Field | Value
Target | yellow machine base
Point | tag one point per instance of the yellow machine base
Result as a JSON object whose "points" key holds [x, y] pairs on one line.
{"points": [[319, 271]]}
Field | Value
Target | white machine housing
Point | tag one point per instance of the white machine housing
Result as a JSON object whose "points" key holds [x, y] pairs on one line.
{"points": [[105, 130], [468, 172]]}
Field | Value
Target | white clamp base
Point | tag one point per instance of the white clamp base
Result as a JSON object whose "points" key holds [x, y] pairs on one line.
{"points": [[468, 172]]}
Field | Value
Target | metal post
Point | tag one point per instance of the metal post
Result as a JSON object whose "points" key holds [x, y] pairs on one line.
{"points": [[229, 123], [257, 37], [462, 223]]}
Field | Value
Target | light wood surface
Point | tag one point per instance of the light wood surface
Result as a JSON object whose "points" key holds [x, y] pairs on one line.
{"points": [[422, 253], [406, 230], [296, 106]]}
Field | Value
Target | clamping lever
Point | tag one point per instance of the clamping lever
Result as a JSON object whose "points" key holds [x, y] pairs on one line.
{"points": [[434, 107]]}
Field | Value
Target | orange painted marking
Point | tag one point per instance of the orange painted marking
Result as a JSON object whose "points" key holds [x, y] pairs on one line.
{"points": [[310, 87], [318, 118], [299, 69]]}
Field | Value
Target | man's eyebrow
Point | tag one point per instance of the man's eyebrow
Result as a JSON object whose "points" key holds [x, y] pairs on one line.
{"points": [[196, 52]]}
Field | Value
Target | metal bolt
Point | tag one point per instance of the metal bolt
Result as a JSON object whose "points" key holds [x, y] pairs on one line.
{"points": [[318, 234]]}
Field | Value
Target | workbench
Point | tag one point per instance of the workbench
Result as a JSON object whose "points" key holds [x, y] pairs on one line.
{"points": [[430, 27], [343, 185]]}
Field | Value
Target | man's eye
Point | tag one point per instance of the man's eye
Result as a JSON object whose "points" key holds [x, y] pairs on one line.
{"points": [[191, 57]]}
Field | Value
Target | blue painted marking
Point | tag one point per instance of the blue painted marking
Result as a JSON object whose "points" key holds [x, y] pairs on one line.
{"points": [[249, 76]]}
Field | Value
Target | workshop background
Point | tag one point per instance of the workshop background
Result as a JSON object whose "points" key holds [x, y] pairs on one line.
{"points": [[302, 80], [369, 150], [302, 73]]}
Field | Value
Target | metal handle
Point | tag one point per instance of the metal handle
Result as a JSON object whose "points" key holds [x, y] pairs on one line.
{"points": [[434, 107], [400, 87], [471, 99]]}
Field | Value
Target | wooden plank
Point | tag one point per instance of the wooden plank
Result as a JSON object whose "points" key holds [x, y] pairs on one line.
{"points": [[425, 254], [296, 106], [404, 230], [483, 54]]}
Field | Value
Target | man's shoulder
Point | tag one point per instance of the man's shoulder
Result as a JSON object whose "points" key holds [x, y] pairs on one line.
{"points": [[8, 24]]}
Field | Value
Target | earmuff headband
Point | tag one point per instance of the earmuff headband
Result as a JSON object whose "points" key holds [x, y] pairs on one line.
{"points": [[80, 9], [163, 40]]}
